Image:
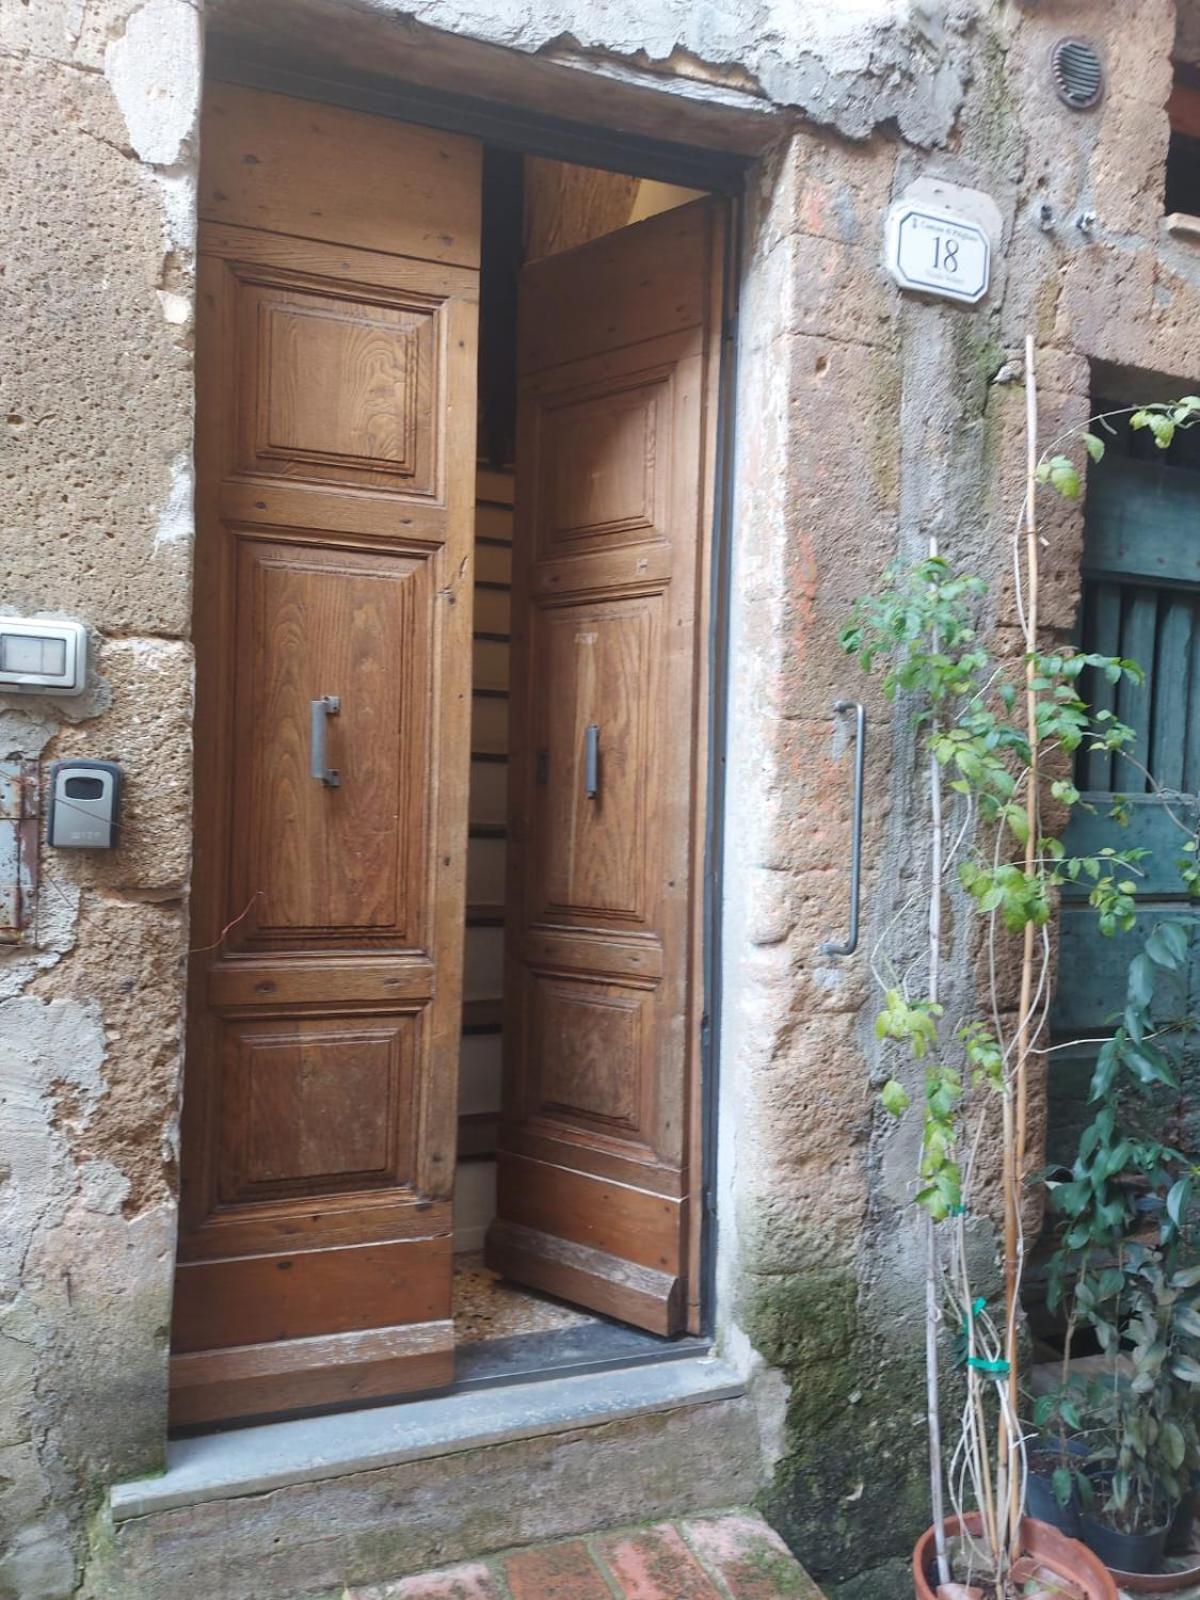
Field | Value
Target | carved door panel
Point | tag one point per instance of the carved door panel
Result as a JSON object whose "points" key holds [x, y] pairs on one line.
{"points": [[599, 1163], [335, 468]]}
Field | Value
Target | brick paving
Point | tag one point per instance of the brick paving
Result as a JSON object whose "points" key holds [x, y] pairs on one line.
{"points": [[735, 1556]]}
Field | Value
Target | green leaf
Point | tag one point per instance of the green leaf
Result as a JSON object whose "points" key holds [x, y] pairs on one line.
{"points": [[1108, 1063], [1115, 1160], [1095, 446], [1172, 1443], [1062, 476], [1061, 1482], [1163, 429], [1186, 1368], [1149, 1065], [894, 1097], [1177, 1200], [1167, 946], [1018, 823], [1141, 980]]}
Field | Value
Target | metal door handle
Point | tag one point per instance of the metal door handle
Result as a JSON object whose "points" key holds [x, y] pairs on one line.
{"points": [[322, 709], [831, 948], [591, 761]]}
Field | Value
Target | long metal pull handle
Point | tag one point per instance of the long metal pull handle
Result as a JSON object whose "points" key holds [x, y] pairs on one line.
{"points": [[328, 705], [831, 948], [591, 761]]}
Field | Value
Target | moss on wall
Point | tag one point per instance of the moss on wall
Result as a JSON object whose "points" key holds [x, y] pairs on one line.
{"points": [[850, 1492]]}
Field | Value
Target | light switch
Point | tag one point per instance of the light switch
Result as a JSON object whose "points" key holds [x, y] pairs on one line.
{"points": [[42, 657]]}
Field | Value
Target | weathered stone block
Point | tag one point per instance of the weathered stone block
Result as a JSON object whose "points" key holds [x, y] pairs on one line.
{"points": [[97, 398], [840, 292], [130, 964], [840, 199], [1128, 166]]}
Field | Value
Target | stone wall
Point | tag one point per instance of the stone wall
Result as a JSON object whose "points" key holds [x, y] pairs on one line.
{"points": [[866, 421], [98, 104], [897, 419]]}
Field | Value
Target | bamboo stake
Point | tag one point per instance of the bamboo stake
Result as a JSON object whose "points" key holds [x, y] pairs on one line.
{"points": [[932, 1400], [1016, 1163], [989, 1504], [1010, 1308]]}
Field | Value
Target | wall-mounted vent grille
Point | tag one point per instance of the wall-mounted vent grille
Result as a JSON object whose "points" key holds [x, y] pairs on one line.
{"points": [[1078, 75]]}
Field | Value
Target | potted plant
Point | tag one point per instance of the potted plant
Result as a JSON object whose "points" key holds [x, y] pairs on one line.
{"points": [[991, 736], [1150, 1429], [1126, 1267], [1058, 1487]]}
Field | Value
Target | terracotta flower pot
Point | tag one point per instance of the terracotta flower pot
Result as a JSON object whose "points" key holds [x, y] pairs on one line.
{"points": [[1047, 1545]]}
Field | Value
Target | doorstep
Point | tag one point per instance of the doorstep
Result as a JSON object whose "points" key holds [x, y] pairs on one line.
{"points": [[318, 1506], [247, 1461], [735, 1556]]}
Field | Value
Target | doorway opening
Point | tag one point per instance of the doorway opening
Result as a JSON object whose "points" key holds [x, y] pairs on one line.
{"points": [[444, 1112], [534, 208]]}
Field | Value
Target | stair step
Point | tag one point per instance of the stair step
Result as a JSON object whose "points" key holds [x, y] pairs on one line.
{"points": [[312, 1506]]}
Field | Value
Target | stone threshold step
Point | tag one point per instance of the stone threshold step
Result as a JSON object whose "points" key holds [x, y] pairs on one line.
{"points": [[247, 1461]]}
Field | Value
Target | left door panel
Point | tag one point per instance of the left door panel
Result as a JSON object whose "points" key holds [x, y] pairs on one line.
{"points": [[336, 355]]}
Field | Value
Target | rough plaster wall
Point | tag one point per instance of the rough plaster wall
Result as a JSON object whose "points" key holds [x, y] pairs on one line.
{"points": [[98, 101], [850, 66]]}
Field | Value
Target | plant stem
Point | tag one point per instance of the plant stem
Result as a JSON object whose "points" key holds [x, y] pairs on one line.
{"points": [[932, 1285], [936, 1495], [1016, 1126]]}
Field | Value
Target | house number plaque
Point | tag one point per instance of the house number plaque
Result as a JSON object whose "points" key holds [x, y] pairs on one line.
{"points": [[936, 252]]}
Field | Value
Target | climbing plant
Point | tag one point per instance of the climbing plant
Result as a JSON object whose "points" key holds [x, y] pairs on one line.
{"points": [[996, 736]]}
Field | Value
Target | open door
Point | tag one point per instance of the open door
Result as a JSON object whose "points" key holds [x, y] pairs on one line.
{"points": [[339, 258], [598, 1172]]}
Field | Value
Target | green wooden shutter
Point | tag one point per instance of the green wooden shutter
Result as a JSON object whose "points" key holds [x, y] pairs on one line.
{"points": [[1141, 599]]}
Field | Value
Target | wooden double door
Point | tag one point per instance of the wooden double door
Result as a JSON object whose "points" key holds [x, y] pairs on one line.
{"points": [[336, 360]]}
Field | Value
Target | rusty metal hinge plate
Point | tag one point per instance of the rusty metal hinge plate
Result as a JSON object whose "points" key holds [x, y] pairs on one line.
{"points": [[18, 848]]}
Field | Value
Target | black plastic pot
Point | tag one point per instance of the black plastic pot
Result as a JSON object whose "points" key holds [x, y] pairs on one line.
{"points": [[1179, 1534], [1125, 1552], [1041, 1501]]}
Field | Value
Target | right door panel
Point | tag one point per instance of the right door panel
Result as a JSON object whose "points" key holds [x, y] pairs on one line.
{"points": [[598, 1173]]}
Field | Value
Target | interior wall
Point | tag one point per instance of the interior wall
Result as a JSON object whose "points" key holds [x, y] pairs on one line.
{"points": [[479, 1062], [566, 205]]}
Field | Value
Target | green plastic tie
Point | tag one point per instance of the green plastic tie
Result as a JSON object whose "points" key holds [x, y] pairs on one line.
{"points": [[994, 1369]]}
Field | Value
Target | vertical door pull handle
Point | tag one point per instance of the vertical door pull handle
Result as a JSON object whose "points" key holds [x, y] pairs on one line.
{"points": [[326, 706], [850, 944], [591, 761]]}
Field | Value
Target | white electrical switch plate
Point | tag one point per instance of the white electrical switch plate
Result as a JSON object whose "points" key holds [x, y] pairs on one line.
{"points": [[42, 657]]}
